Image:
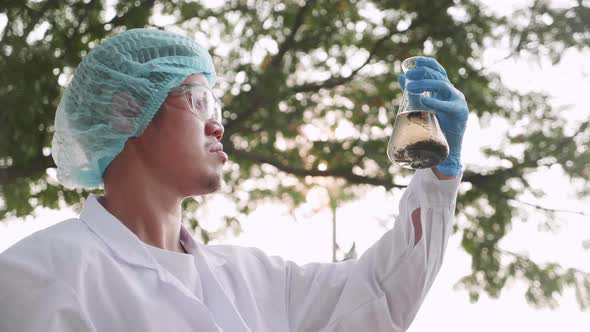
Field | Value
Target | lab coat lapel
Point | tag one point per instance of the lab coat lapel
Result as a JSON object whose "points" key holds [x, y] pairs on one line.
{"points": [[124, 243], [216, 296], [127, 247]]}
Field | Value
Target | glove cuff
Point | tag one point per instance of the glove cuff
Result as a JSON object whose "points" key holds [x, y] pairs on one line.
{"points": [[450, 167]]}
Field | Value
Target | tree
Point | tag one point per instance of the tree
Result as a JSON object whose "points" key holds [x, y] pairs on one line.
{"points": [[285, 66]]}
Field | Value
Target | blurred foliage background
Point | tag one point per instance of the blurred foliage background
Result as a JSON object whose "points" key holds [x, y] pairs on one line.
{"points": [[290, 74]]}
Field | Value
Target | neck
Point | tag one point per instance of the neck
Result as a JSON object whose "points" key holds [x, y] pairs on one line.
{"points": [[145, 207]]}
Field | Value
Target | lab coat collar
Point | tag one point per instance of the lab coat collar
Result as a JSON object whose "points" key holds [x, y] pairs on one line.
{"points": [[192, 247], [125, 244]]}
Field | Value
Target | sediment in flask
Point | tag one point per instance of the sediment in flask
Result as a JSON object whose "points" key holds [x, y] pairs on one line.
{"points": [[422, 154], [417, 141]]}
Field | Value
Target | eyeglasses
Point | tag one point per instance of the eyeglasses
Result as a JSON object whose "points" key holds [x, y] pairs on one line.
{"points": [[204, 104]]}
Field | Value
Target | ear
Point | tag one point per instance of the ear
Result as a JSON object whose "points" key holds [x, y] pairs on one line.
{"points": [[157, 119], [124, 110], [158, 114]]}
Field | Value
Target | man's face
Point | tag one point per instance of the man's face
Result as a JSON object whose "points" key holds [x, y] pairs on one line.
{"points": [[177, 146]]}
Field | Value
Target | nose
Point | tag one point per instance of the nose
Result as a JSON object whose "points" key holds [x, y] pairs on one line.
{"points": [[214, 128]]}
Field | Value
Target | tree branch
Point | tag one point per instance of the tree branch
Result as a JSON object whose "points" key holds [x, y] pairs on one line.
{"points": [[275, 62], [339, 80], [524, 257], [562, 143], [119, 20], [290, 40], [344, 173], [551, 210], [476, 179], [10, 174]]}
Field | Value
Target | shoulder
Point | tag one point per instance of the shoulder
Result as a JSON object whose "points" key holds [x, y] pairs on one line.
{"points": [[236, 266], [38, 280], [243, 258], [57, 250], [63, 236]]}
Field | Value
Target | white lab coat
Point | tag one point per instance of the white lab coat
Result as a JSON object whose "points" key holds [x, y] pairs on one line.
{"points": [[94, 274]]}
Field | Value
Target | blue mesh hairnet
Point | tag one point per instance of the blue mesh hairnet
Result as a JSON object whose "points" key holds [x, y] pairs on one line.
{"points": [[114, 94]]}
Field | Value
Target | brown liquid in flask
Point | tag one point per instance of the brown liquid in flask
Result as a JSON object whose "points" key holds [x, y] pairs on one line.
{"points": [[417, 140]]}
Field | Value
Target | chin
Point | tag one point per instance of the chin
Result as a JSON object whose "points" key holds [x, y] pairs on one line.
{"points": [[214, 184], [206, 186]]}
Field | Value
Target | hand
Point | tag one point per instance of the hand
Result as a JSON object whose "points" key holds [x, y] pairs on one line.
{"points": [[448, 103]]}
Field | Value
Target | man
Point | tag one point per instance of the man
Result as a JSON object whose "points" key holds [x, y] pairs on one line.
{"points": [[139, 117]]}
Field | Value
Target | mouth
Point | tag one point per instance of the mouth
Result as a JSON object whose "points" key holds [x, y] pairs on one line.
{"points": [[218, 150]]}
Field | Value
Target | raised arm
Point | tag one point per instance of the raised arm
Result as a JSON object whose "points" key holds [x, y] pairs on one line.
{"points": [[383, 289]]}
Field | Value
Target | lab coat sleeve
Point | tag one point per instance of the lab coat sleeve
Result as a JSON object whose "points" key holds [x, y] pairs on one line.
{"points": [[32, 301], [383, 289]]}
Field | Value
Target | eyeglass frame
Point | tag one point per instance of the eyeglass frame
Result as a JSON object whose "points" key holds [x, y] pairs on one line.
{"points": [[187, 87]]}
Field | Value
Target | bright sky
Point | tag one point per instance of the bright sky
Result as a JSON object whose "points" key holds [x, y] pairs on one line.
{"points": [[272, 230]]}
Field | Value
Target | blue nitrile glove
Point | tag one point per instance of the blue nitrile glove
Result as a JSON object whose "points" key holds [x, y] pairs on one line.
{"points": [[448, 103]]}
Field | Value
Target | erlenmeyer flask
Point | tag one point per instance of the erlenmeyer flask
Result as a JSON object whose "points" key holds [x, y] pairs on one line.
{"points": [[417, 140]]}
